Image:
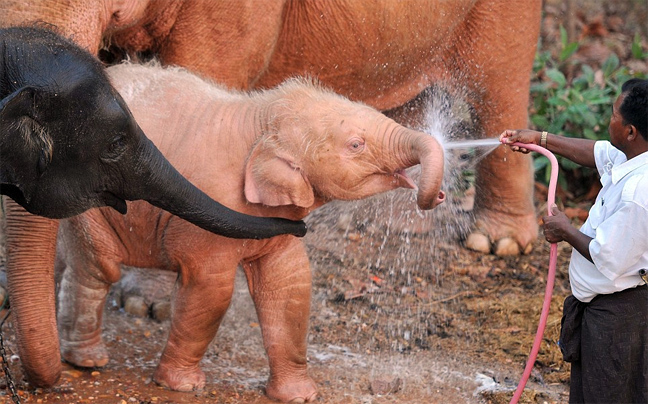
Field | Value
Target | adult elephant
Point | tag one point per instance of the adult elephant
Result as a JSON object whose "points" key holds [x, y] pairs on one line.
{"points": [[385, 53]]}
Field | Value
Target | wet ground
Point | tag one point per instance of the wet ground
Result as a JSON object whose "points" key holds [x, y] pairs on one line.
{"points": [[401, 313]]}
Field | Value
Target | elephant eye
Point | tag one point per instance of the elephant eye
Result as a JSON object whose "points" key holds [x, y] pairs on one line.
{"points": [[356, 145], [115, 148]]}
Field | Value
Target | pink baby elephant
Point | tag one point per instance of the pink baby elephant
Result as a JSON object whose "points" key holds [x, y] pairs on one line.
{"points": [[282, 152]]}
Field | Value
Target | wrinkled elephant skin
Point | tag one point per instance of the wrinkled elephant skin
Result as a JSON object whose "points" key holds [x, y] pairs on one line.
{"points": [[381, 52], [69, 143], [284, 152]]}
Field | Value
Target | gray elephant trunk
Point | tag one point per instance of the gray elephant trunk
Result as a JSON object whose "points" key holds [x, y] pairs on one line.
{"points": [[160, 184], [30, 279]]}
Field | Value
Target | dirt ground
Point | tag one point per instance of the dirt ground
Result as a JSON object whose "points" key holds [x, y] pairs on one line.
{"points": [[398, 316], [401, 312]]}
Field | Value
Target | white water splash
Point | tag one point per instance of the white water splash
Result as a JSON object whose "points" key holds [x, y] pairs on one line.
{"points": [[471, 143]]}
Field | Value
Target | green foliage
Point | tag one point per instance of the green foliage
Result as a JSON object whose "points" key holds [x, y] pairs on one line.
{"points": [[637, 51], [577, 104]]}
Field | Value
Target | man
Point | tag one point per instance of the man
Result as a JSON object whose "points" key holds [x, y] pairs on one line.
{"points": [[605, 322]]}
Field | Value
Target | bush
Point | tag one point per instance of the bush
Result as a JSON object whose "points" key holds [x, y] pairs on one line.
{"points": [[578, 107]]}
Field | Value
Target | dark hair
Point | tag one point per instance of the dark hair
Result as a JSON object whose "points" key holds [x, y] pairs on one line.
{"points": [[634, 107]]}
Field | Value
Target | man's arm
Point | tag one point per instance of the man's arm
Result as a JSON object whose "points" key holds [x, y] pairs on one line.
{"points": [[580, 151]]}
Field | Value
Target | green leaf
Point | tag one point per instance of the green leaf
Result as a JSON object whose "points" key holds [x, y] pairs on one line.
{"points": [[540, 87], [563, 36], [562, 182], [600, 101], [547, 175], [589, 134], [558, 101], [540, 162], [568, 50], [595, 96], [637, 52], [557, 124], [539, 121], [590, 120], [568, 164], [581, 82], [557, 77], [580, 108], [610, 64], [588, 73]]}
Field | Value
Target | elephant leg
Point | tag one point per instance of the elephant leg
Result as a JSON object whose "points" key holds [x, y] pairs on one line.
{"points": [[492, 74], [82, 297], [280, 286], [201, 297], [496, 59], [31, 246]]}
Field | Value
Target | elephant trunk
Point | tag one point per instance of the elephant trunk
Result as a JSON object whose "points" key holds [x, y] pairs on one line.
{"points": [[159, 183], [31, 244], [420, 148]]}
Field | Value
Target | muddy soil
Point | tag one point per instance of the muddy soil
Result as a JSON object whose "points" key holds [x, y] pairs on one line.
{"points": [[401, 312]]}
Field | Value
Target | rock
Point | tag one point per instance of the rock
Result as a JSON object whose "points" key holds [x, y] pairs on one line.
{"points": [[385, 386]]}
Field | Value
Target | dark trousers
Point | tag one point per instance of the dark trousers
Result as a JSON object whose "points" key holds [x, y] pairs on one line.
{"points": [[606, 341]]}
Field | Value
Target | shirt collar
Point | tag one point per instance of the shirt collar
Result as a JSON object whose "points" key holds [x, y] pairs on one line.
{"points": [[625, 168]]}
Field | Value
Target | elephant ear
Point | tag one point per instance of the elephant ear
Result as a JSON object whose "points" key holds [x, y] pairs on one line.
{"points": [[18, 104], [24, 134], [273, 178]]}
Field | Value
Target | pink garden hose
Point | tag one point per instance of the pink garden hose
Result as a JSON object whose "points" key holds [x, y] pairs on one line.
{"points": [[553, 255]]}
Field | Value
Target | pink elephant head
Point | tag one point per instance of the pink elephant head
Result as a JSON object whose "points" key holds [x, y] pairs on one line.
{"points": [[318, 146]]}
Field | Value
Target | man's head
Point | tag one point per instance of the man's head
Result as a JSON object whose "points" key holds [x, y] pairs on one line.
{"points": [[634, 106], [629, 122]]}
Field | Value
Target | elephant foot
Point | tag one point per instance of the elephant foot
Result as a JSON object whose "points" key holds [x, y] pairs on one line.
{"points": [[85, 354], [180, 379], [146, 292], [503, 235], [302, 390]]}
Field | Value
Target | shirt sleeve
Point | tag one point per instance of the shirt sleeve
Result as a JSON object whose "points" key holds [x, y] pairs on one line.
{"points": [[606, 156], [621, 241]]}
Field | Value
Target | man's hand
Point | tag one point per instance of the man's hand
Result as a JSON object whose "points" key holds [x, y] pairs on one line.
{"points": [[558, 228], [522, 136]]}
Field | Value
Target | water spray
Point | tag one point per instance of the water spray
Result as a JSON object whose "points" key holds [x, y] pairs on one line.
{"points": [[551, 275], [466, 144], [553, 255]]}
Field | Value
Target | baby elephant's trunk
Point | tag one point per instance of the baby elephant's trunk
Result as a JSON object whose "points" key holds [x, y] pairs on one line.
{"points": [[420, 148]]}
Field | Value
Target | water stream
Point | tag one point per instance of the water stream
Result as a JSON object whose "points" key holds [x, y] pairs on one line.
{"points": [[472, 143]]}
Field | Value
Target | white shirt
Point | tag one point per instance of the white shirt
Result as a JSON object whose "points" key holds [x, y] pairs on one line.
{"points": [[618, 224]]}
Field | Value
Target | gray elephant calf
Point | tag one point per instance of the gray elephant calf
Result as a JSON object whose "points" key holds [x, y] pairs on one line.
{"points": [[282, 152]]}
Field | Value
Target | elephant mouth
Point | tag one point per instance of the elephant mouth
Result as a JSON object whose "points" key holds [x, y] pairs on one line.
{"points": [[403, 180], [114, 202]]}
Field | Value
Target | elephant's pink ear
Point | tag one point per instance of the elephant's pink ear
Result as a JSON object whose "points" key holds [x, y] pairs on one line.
{"points": [[274, 179]]}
